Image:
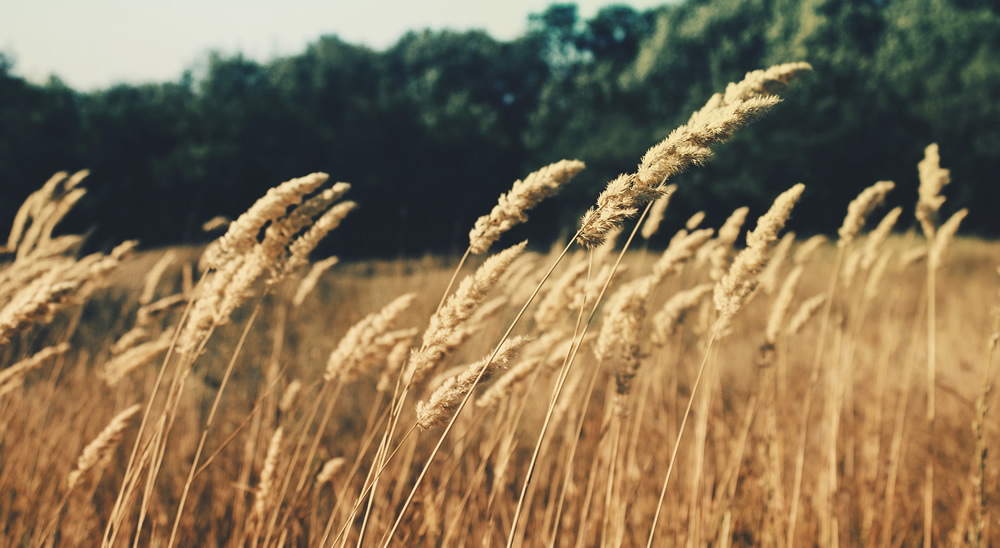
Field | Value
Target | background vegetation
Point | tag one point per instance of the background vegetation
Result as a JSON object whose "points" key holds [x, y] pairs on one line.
{"points": [[445, 119]]}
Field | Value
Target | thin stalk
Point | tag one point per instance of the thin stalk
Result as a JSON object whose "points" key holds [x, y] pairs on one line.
{"points": [[810, 392], [208, 422], [931, 377], [680, 432], [568, 477], [468, 395], [565, 372], [114, 520], [306, 466], [399, 399], [454, 276], [615, 439], [354, 470], [347, 522]]}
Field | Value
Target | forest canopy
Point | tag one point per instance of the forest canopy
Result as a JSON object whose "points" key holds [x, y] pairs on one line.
{"points": [[432, 129]]}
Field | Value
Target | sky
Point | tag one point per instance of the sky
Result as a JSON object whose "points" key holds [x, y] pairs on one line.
{"points": [[93, 44]]}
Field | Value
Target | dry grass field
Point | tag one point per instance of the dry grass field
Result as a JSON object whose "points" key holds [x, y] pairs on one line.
{"points": [[740, 386]]}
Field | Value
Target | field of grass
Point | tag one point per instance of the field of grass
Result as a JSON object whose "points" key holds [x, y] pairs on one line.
{"points": [[738, 387]]}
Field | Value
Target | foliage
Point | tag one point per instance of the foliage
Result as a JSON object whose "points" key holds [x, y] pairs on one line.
{"points": [[444, 119]]}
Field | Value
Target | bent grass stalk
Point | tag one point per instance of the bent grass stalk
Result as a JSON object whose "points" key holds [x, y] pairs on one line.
{"points": [[565, 372], [116, 516], [208, 422], [468, 396]]}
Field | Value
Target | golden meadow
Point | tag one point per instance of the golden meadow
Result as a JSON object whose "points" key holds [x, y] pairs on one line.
{"points": [[740, 386]]}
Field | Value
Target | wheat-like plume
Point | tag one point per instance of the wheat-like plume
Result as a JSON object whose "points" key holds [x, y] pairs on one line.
{"points": [[805, 312], [769, 276], [131, 338], [31, 207], [756, 83], [266, 486], [308, 215], [330, 469], [503, 387], [35, 304], [722, 248], [152, 277], [11, 377], [523, 195], [681, 249], [878, 237], [445, 399], [689, 144], [560, 295], [686, 146], [742, 277], [875, 275], [619, 342], [779, 307], [395, 360], [301, 248], [310, 280], [671, 315], [136, 357], [45, 207], [242, 233], [932, 180], [290, 397], [61, 245], [360, 347], [619, 201], [59, 211], [655, 216], [943, 237], [859, 208], [695, 220], [215, 223], [458, 308], [238, 259], [150, 312], [913, 256], [98, 452]]}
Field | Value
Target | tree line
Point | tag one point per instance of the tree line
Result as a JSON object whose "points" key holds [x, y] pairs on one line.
{"points": [[430, 130]]}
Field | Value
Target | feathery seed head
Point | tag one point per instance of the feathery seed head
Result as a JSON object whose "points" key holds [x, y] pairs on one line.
{"points": [[363, 346], [932, 181], [695, 220], [742, 278], [859, 208], [769, 276], [878, 236], [780, 305], [806, 311], [98, 452], [655, 216], [945, 234], [681, 249], [723, 245], [458, 308], [523, 195], [443, 402], [665, 321], [242, 233]]}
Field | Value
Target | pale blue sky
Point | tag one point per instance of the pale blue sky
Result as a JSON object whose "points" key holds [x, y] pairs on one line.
{"points": [[93, 43]]}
